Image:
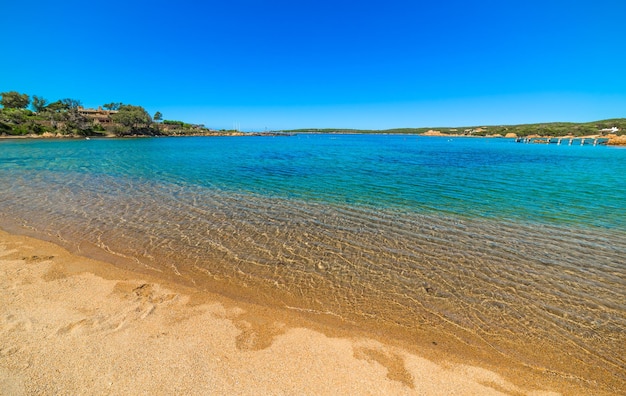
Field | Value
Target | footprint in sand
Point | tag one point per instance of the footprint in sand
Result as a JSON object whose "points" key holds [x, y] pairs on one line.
{"points": [[13, 323], [77, 327], [148, 292], [36, 259], [149, 297], [10, 350], [140, 302]]}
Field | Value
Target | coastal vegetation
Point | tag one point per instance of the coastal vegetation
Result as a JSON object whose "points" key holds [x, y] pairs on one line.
{"points": [[22, 115], [602, 127]]}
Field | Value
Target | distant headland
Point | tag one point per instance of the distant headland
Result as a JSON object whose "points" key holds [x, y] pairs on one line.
{"points": [[23, 116], [611, 129]]}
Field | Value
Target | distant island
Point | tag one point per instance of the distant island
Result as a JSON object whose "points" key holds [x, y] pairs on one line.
{"points": [[24, 116]]}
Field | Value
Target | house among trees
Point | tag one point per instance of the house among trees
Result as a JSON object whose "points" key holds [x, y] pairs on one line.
{"points": [[98, 115], [609, 130]]}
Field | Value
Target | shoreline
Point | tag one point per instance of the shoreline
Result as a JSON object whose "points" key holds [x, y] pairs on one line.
{"points": [[613, 140], [109, 323]]}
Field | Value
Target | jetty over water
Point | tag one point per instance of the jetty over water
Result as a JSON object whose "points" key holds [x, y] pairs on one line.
{"points": [[565, 140]]}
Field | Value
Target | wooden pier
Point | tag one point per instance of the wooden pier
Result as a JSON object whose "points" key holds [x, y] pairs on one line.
{"points": [[565, 140]]}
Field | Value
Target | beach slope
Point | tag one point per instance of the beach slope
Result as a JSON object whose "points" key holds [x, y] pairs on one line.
{"points": [[71, 325]]}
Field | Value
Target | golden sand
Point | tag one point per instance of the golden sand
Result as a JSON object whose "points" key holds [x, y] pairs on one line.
{"points": [[72, 325]]}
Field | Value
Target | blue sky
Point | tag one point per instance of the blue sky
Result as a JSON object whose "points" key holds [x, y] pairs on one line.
{"points": [[324, 64]]}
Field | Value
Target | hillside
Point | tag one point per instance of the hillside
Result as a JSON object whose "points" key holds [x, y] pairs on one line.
{"points": [[67, 117], [542, 129]]}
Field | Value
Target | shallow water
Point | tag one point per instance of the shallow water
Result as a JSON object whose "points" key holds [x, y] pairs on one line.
{"points": [[516, 248]]}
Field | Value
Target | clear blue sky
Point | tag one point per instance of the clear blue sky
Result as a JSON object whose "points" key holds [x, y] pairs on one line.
{"points": [[291, 64]]}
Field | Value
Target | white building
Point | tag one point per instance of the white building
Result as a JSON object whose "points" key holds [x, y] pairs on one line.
{"points": [[609, 130]]}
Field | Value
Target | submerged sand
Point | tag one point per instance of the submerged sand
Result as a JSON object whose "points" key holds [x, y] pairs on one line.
{"points": [[72, 325]]}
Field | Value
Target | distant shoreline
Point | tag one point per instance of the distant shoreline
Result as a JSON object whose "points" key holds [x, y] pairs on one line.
{"points": [[614, 140], [111, 136], [68, 118]]}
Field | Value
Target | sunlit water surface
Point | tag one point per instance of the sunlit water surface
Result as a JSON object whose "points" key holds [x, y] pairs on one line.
{"points": [[521, 247]]}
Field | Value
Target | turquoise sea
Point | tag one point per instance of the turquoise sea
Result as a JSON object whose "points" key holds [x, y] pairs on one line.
{"points": [[519, 249]]}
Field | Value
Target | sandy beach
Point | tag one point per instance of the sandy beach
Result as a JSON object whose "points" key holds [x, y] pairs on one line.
{"points": [[72, 325]]}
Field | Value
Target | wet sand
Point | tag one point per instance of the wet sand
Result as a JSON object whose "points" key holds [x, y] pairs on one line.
{"points": [[72, 325]]}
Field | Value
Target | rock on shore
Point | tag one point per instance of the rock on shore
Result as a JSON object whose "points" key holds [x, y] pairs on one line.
{"points": [[615, 140]]}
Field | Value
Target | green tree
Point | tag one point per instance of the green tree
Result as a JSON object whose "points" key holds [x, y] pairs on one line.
{"points": [[14, 116], [76, 123], [14, 100], [133, 118], [71, 103], [56, 107], [112, 106], [39, 104], [158, 116]]}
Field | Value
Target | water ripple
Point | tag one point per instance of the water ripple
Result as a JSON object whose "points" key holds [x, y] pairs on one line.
{"points": [[549, 273]]}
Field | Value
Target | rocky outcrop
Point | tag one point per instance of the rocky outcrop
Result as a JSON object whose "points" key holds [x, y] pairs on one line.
{"points": [[615, 140], [432, 133]]}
